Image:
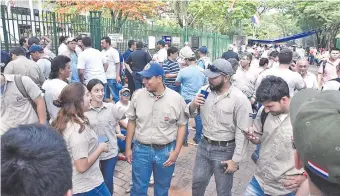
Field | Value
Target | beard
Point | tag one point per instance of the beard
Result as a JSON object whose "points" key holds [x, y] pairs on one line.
{"points": [[216, 87]]}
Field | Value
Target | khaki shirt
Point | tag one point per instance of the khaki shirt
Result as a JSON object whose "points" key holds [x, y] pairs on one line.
{"points": [[245, 81], [25, 67], [157, 118], [276, 153], [103, 121], [82, 145], [223, 116], [15, 108]]}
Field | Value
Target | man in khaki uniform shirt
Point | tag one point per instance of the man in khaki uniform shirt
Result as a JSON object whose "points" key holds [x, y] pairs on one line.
{"points": [[275, 170], [224, 112], [157, 122], [15, 108], [20, 65]]}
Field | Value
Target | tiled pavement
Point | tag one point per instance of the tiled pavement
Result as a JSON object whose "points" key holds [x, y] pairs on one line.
{"points": [[181, 183]]}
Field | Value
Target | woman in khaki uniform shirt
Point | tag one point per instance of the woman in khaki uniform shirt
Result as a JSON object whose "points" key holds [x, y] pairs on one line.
{"points": [[104, 119], [81, 141]]}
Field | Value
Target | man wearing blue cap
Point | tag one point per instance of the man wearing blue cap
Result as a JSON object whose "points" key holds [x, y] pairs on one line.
{"points": [[44, 63], [157, 123], [203, 60]]}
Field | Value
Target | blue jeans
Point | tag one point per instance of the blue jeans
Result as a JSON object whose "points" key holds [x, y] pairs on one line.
{"points": [[199, 127], [146, 160], [121, 144], [108, 168], [112, 88], [254, 189], [100, 190], [208, 162]]}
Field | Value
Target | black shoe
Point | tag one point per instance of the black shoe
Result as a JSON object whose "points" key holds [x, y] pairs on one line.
{"points": [[185, 143]]}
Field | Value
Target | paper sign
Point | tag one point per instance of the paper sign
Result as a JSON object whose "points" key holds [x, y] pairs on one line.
{"points": [[152, 42], [116, 37]]}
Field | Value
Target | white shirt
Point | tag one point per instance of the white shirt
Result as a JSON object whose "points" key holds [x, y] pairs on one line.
{"points": [[62, 48], [112, 57], [92, 60], [123, 108], [331, 85], [293, 79], [310, 80], [45, 66], [161, 55], [245, 81], [48, 52], [78, 50], [52, 89]]}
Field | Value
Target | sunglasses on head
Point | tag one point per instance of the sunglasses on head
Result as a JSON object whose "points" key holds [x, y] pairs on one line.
{"points": [[213, 68]]}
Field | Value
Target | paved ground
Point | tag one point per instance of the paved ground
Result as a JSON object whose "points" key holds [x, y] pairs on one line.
{"points": [[181, 183]]}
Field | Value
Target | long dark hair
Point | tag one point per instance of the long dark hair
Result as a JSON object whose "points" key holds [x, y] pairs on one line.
{"points": [[70, 102]]}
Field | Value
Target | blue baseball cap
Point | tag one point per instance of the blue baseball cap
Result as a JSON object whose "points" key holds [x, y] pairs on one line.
{"points": [[36, 48], [152, 69], [203, 50]]}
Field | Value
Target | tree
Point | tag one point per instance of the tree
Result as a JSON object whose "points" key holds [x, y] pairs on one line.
{"points": [[119, 11], [215, 15]]}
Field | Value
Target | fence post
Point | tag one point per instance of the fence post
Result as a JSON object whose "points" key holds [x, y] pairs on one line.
{"points": [[4, 27], [54, 26], [95, 28]]}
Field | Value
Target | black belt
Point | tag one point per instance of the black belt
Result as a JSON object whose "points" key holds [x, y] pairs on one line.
{"points": [[218, 143], [156, 146]]}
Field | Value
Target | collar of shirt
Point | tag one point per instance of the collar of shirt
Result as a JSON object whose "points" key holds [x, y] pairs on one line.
{"points": [[335, 63], [98, 109], [222, 96], [156, 97]]}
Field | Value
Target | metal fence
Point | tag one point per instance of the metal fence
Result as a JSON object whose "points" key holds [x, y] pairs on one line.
{"points": [[20, 22]]}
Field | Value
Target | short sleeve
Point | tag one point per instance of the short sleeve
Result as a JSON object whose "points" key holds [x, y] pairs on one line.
{"points": [[166, 68], [104, 59], [115, 55], [9, 68], [182, 118], [79, 144], [129, 60], [131, 111], [81, 61], [31, 88], [299, 82]]}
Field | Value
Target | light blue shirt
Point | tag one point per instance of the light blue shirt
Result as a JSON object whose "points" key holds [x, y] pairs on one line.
{"points": [[191, 79], [74, 69]]}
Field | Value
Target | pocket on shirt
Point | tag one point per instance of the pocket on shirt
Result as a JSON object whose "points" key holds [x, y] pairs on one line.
{"points": [[166, 120], [18, 101], [225, 116]]}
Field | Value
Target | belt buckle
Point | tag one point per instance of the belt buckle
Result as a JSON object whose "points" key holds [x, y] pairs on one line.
{"points": [[208, 140]]}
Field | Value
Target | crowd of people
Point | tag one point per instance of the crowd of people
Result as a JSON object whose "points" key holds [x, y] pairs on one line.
{"points": [[89, 115]]}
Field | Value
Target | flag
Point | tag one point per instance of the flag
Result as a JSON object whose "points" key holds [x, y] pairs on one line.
{"points": [[255, 19]]}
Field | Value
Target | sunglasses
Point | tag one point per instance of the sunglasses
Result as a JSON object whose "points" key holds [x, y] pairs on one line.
{"points": [[213, 68], [126, 94]]}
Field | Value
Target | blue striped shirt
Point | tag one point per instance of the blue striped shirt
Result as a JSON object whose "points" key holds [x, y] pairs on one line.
{"points": [[170, 67]]}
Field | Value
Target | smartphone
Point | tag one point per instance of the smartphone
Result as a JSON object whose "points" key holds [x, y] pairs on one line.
{"points": [[102, 139], [223, 167]]}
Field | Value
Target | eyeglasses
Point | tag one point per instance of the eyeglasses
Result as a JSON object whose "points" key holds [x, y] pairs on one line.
{"points": [[126, 94], [213, 68]]}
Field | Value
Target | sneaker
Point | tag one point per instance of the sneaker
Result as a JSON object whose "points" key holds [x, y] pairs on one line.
{"points": [[185, 143], [173, 174], [127, 190], [131, 183]]}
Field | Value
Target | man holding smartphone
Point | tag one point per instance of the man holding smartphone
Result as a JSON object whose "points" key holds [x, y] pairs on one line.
{"points": [[157, 123], [225, 112]]}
